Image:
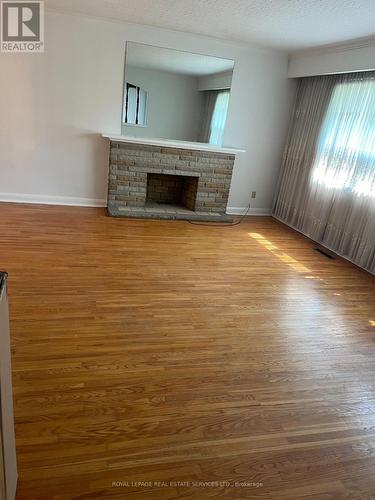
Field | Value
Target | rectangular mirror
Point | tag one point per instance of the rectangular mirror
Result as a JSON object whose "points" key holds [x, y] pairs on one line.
{"points": [[170, 94]]}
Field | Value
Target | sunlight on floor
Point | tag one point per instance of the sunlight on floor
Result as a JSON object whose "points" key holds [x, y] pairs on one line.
{"points": [[291, 262], [287, 259]]}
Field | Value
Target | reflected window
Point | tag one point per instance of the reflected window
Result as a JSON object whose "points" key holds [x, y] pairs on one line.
{"points": [[219, 117], [135, 105]]}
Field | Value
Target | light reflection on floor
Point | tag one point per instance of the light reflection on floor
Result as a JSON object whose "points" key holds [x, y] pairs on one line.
{"points": [[290, 261], [287, 259], [324, 320]]}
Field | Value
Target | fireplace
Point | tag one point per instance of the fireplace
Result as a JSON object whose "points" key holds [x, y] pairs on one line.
{"points": [[176, 190], [152, 180]]}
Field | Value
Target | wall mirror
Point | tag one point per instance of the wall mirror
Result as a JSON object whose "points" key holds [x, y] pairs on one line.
{"points": [[175, 95]]}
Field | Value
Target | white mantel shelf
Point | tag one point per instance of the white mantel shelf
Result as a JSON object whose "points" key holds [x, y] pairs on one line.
{"points": [[200, 146]]}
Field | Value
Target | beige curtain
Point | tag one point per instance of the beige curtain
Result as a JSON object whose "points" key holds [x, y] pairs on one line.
{"points": [[327, 183]]}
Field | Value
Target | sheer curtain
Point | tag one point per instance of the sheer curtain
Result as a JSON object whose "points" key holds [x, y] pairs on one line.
{"points": [[219, 117], [214, 117], [327, 185], [208, 108]]}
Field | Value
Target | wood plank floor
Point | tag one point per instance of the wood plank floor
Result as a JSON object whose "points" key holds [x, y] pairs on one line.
{"points": [[157, 351]]}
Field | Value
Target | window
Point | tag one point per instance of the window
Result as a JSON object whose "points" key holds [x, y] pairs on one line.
{"points": [[219, 117], [346, 147], [135, 104]]}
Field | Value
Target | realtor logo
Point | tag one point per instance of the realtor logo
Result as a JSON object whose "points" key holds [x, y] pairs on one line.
{"points": [[22, 26]]}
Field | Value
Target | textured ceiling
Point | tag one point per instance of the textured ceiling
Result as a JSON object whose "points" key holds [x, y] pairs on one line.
{"points": [[282, 24]]}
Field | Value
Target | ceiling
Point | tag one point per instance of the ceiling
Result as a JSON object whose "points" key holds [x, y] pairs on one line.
{"points": [[283, 24], [175, 61]]}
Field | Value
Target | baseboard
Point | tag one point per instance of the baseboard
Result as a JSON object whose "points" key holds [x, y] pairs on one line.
{"points": [[42, 199], [251, 211]]}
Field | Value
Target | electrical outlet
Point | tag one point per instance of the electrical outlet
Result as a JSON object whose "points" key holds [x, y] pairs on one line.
{"points": [[253, 195]]}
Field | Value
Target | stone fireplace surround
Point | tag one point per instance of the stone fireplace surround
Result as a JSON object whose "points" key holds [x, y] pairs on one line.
{"points": [[152, 178]]}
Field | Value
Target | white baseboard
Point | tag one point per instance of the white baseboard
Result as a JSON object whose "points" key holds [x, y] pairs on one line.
{"points": [[42, 199], [252, 211]]}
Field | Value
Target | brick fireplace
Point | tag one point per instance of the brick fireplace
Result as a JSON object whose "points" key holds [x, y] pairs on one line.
{"points": [[155, 181]]}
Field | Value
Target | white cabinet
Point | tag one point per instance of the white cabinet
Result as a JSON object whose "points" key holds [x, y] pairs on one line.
{"points": [[8, 463]]}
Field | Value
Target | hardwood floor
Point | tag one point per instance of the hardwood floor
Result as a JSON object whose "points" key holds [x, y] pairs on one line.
{"points": [[162, 351]]}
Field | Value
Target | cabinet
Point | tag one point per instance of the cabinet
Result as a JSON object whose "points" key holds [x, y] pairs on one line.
{"points": [[8, 462]]}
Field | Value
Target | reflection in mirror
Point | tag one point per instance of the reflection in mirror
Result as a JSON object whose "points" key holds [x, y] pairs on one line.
{"points": [[175, 95], [135, 104]]}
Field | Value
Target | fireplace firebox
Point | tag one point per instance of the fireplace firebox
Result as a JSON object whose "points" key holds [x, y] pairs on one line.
{"points": [[177, 190]]}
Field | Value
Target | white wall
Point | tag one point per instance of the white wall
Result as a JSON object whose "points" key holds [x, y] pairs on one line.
{"points": [[345, 58], [216, 81], [174, 104], [55, 105]]}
